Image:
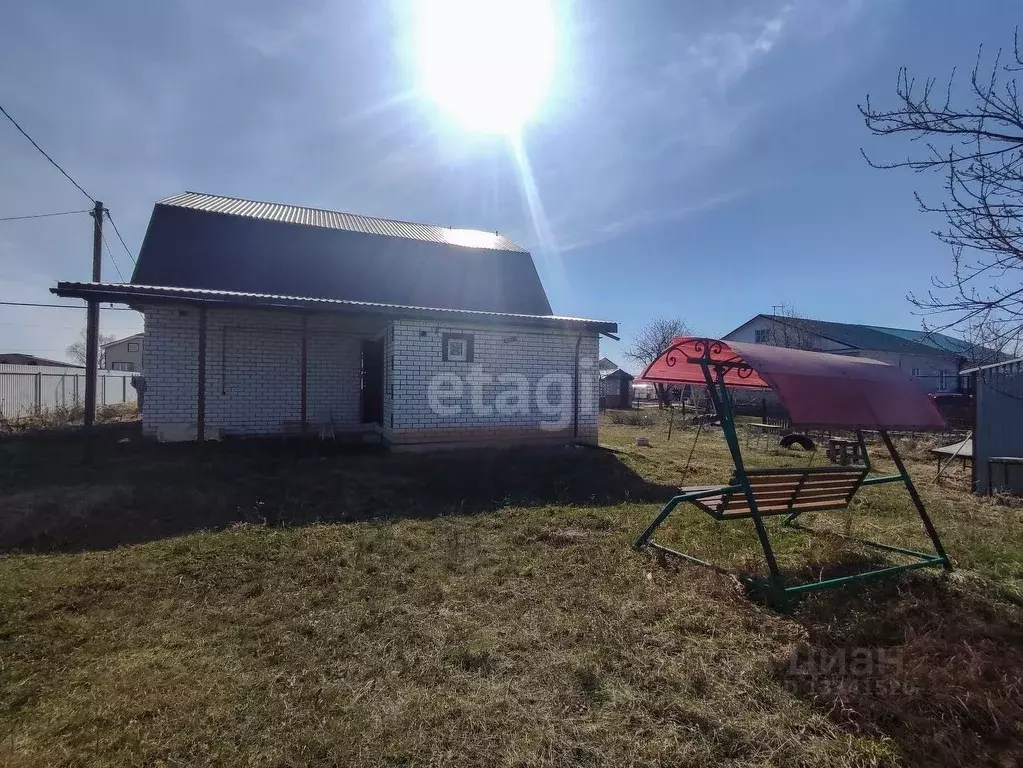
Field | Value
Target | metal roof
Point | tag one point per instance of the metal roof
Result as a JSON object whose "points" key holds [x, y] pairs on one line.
{"points": [[130, 293], [121, 341], [939, 341], [349, 222], [817, 389], [879, 338], [223, 244]]}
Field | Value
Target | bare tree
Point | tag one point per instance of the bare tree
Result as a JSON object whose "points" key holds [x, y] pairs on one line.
{"points": [[76, 352], [790, 329], [988, 345], [652, 339], [977, 143]]}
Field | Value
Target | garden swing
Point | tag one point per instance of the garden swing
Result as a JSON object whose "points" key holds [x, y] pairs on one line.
{"points": [[819, 390]]}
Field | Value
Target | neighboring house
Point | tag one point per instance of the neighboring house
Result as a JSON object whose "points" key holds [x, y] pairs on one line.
{"points": [[934, 358], [263, 318], [18, 358], [615, 385], [124, 354]]}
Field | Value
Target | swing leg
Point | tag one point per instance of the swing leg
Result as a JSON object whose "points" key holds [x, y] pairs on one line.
{"points": [[917, 501], [657, 521], [724, 410]]}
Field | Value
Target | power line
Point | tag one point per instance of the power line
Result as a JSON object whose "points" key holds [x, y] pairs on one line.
{"points": [[111, 220], [43, 153], [116, 268], [62, 306], [40, 215]]}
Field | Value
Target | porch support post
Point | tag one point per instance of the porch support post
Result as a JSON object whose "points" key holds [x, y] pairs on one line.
{"points": [[305, 372], [917, 502], [201, 397]]}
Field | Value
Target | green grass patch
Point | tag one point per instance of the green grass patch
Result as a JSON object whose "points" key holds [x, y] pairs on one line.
{"points": [[283, 604]]}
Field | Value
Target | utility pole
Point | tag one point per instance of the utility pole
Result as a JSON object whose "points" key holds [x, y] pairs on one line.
{"points": [[92, 321]]}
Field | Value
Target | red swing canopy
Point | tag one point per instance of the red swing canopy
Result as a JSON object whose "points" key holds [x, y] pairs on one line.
{"points": [[817, 389]]}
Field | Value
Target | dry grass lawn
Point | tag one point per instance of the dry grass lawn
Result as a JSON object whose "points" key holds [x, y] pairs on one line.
{"points": [[280, 605]]}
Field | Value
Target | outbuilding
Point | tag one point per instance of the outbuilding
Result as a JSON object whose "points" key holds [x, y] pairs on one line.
{"points": [[262, 319]]}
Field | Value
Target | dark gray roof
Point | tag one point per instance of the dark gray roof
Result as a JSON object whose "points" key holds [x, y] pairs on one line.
{"points": [[20, 358], [217, 243], [350, 222], [617, 373], [130, 293], [877, 338]]}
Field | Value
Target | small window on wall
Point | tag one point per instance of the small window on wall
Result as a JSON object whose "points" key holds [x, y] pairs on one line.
{"points": [[762, 336], [457, 347], [942, 380], [133, 346], [122, 366], [916, 373]]}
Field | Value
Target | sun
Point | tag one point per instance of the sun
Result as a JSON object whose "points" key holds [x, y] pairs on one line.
{"points": [[488, 63]]}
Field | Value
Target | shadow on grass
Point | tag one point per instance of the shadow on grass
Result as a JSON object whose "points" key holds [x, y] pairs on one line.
{"points": [[928, 660], [50, 500]]}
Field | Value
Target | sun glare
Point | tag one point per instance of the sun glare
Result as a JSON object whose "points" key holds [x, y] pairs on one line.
{"points": [[488, 62]]}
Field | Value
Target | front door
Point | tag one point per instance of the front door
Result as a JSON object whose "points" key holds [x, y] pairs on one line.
{"points": [[373, 382]]}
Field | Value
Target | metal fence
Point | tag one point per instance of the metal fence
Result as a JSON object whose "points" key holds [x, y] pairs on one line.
{"points": [[31, 389], [999, 427]]}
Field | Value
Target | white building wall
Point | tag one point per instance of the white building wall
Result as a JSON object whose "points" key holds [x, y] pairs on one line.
{"points": [[502, 357], [388, 411], [130, 351], [253, 377], [253, 370], [928, 369]]}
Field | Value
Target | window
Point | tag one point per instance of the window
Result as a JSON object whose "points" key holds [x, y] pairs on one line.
{"points": [[122, 366], [942, 382], [915, 373], [457, 347], [133, 346], [762, 335]]}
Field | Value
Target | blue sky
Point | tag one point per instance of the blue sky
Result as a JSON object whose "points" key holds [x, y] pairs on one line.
{"points": [[692, 159]]}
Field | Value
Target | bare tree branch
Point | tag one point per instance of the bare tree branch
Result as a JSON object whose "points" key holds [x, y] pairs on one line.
{"points": [[76, 351], [654, 338], [978, 145]]}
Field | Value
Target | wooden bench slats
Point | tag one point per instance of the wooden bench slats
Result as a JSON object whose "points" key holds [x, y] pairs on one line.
{"points": [[806, 490], [851, 482], [784, 480], [784, 491], [819, 470], [739, 501], [770, 511]]}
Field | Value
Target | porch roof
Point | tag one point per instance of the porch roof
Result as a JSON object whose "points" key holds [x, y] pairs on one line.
{"points": [[129, 293]]}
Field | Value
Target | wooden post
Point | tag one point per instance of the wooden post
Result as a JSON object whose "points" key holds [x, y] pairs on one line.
{"points": [[305, 370], [92, 321], [201, 405]]}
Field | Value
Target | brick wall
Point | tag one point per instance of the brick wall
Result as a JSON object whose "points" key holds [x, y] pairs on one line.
{"points": [[503, 359], [253, 370], [253, 377], [388, 411]]}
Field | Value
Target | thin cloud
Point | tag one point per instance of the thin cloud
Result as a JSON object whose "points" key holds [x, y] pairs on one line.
{"points": [[684, 101]]}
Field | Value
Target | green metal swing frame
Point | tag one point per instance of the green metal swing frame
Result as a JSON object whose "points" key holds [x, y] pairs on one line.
{"points": [[773, 587]]}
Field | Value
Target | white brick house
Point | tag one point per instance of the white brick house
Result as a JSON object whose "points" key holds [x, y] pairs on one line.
{"points": [[404, 333]]}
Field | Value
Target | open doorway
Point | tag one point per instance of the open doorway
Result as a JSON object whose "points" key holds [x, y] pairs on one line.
{"points": [[373, 381]]}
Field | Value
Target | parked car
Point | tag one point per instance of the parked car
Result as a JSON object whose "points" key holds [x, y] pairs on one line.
{"points": [[956, 408]]}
